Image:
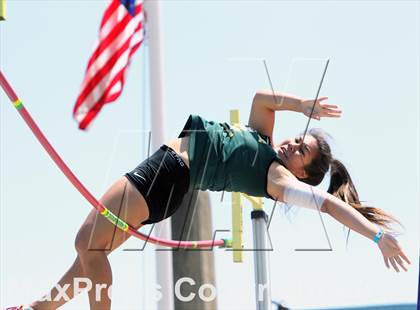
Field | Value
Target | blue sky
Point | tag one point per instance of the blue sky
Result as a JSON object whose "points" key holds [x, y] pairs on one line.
{"points": [[212, 63]]}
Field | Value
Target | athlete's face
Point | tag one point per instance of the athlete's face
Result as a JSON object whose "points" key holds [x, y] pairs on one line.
{"points": [[296, 155]]}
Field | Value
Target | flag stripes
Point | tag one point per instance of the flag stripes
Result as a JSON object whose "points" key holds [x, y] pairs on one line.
{"points": [[121, 34]]}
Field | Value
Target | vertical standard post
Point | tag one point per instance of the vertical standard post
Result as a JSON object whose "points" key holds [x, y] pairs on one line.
{"points": [[237, 228], [261, 260], [2, 10], [163, 258], [237, 224]]}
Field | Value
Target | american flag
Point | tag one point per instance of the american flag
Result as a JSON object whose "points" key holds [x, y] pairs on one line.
{"points": [[120, 35]]}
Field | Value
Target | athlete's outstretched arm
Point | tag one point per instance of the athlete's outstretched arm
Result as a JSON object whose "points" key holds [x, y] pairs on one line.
{"points": [[298, 193], [389, 246], [266, 103], [278, 101]]}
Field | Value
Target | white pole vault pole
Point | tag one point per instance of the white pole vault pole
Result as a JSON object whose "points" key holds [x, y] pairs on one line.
{"points": [[163, 258]]}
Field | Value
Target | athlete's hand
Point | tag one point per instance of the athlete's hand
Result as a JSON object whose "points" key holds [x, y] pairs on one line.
{"points": [[320, 110], [392, 252]]}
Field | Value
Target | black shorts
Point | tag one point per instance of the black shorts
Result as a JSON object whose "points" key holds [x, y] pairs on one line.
{"points": [[163, 180]]}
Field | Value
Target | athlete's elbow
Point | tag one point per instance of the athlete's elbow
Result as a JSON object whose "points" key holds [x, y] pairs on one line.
{"points": [[258, 97], [330, 204], [324, 207]]}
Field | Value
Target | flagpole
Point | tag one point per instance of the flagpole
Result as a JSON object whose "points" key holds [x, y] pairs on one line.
{"points": [[163, 258]]}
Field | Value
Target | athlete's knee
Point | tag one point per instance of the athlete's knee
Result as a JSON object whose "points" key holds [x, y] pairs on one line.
{"points": [[80, 242], [88, 242], [84, 241]]}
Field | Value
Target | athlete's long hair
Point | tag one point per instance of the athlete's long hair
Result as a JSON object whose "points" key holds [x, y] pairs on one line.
{"points": [[341, 184]]}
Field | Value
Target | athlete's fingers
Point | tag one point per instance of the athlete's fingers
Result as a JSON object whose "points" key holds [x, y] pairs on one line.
{"points": [[331, 112], [325, 106], [402, 254], [332, 115], [386, 262], [326, 109], [400, 262], [322, 98], [394, 264]]}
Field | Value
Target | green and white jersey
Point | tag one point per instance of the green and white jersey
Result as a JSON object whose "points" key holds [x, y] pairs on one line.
{"points": [[228, 158]]}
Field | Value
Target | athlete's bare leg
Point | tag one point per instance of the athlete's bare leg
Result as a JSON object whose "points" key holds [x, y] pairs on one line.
{"points": [[96, 239]]}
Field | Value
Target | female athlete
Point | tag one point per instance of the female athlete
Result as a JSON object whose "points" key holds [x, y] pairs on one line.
{"points": [[216, 156]]}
